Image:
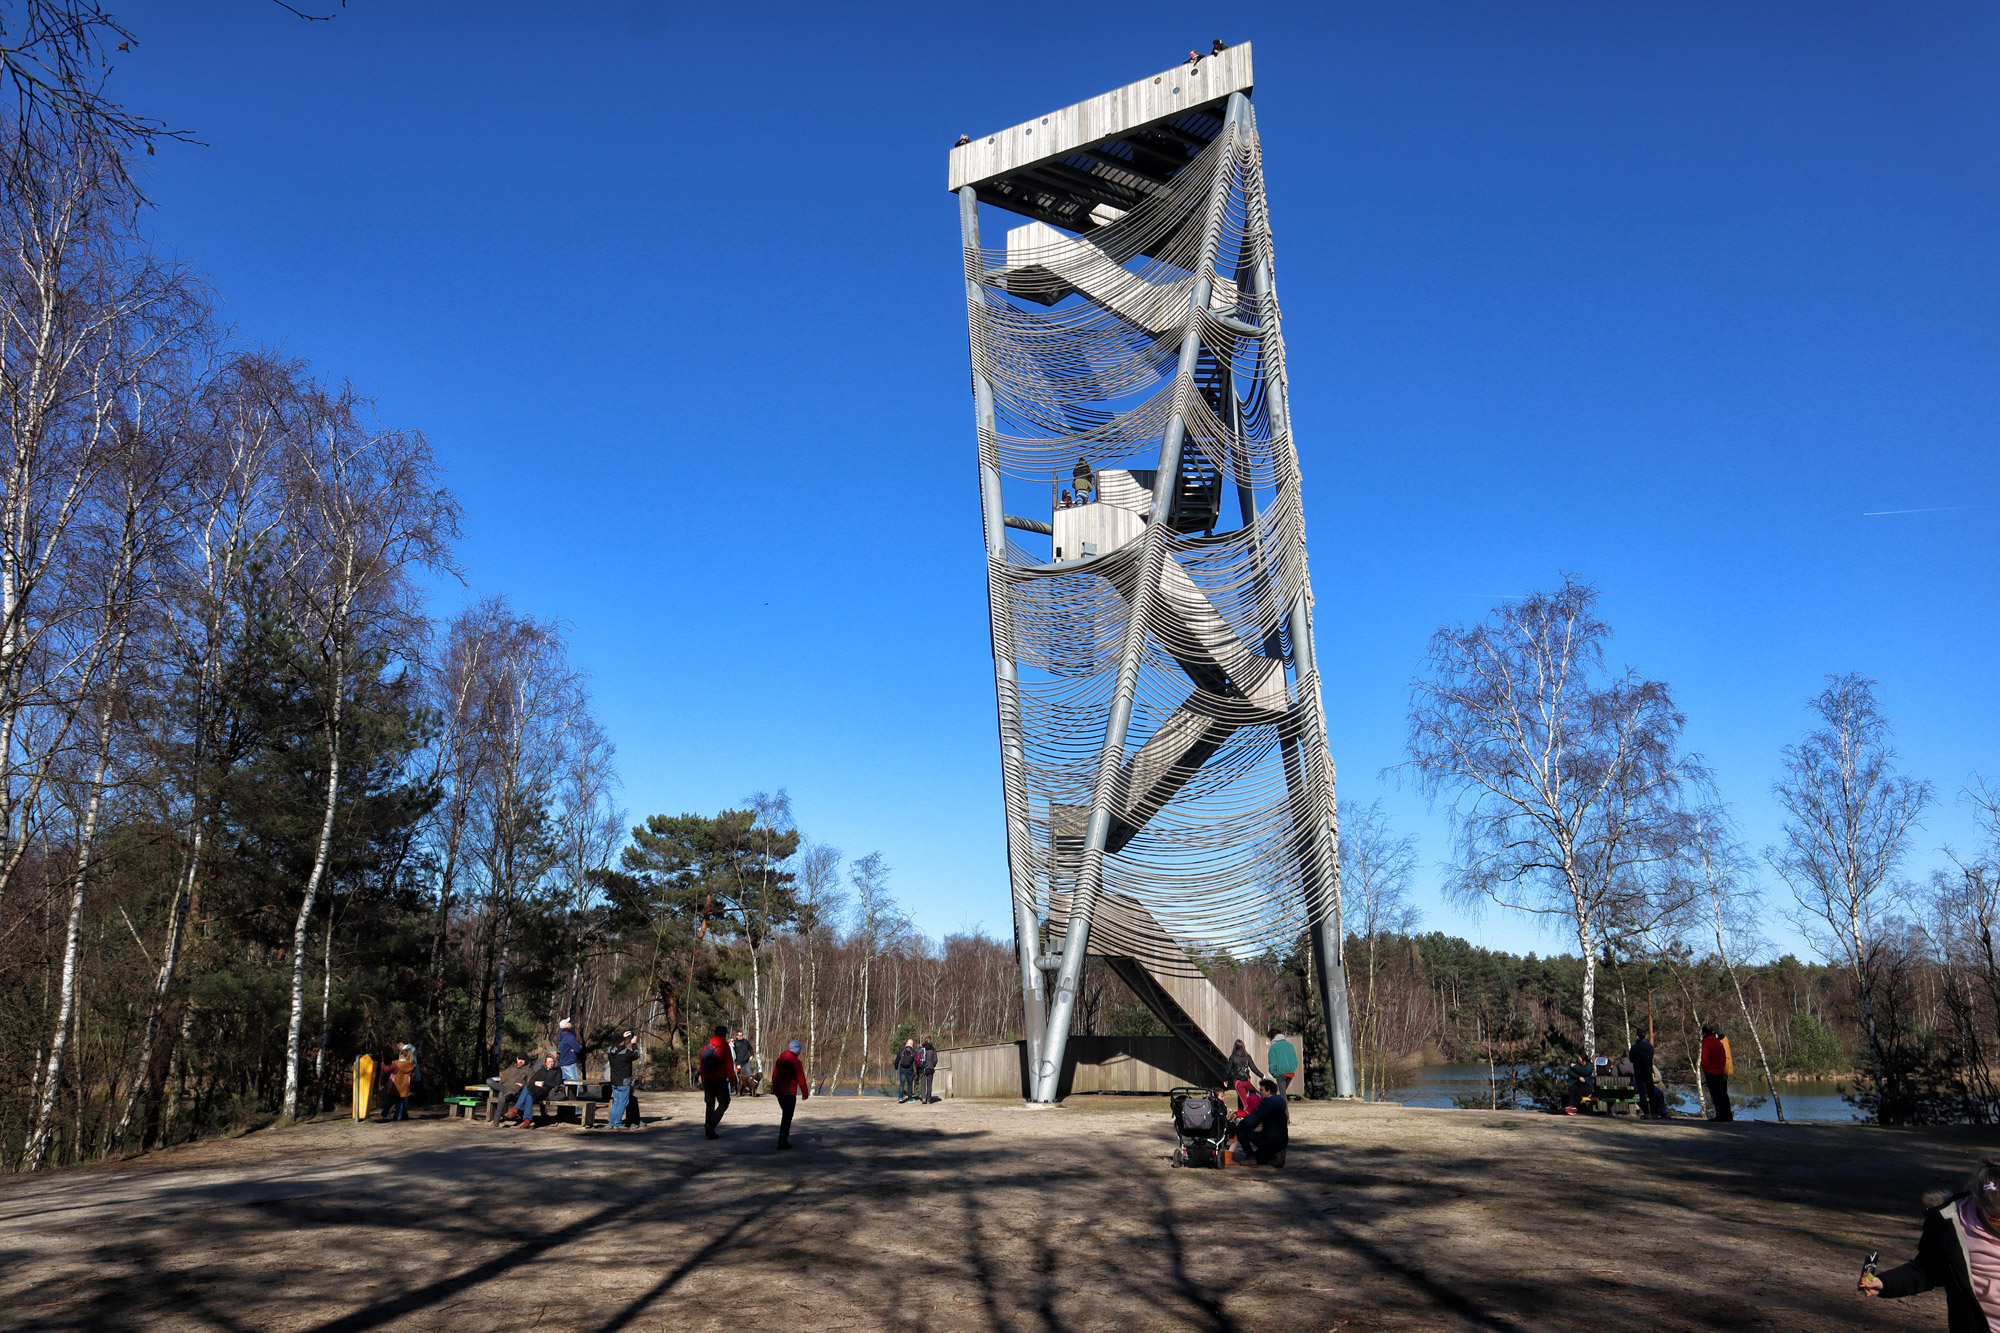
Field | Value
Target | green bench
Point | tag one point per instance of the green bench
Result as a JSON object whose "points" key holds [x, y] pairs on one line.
{"points": [[463, 1106]]}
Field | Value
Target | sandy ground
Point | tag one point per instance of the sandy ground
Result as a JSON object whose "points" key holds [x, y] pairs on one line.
{"points": [[968, 1215]]}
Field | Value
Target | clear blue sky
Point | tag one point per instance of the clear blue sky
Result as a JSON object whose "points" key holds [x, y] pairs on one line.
{"points": [[1668, 296]]}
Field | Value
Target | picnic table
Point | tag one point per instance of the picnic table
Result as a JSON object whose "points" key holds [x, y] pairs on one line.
{"points": [[579, 1101]]}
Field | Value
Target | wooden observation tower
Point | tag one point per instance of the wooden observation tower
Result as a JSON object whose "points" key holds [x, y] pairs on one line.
{"points": [[1163, 749]]}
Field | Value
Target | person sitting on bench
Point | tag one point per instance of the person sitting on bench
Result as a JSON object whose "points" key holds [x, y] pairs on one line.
{"points": [[1262, 1135], [544, 1083], [508, 1083], [1582, 1080]]}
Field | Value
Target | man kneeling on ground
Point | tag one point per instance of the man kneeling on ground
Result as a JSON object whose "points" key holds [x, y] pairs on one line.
{"points": [[544, 1083], [1261, 1136]]}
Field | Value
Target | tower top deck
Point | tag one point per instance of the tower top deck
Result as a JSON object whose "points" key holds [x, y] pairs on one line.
{"points": [[1086, 164]]}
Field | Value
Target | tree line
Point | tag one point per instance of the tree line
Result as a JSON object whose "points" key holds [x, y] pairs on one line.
{"points": [[1574, 799]]}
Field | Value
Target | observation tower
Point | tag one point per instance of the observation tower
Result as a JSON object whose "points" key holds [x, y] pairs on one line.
{"points": [[1168, 790]]}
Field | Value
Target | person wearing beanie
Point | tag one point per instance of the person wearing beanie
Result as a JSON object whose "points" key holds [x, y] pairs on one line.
{"points": [[618, 1063], [927, 1063], [569, 1051], [789, 1084]]}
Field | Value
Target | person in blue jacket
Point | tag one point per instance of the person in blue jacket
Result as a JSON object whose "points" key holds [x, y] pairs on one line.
{"points": [[569, 1051]]}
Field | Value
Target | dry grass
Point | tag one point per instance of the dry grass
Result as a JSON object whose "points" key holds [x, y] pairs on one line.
{"points": [[969, 1215]]}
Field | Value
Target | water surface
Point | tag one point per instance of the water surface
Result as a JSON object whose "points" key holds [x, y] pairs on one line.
{"points": [[1811, 1100]]}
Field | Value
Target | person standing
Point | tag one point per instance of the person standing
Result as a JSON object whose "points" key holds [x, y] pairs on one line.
{"points": [[746, 1064], [1716, 1067], [398, 1073], [927, 1062], [1652, 1101], [1241, 1070], [790, 1086], [569, 1052], [718, 1076], [906, 1071], [618, 1067], [1284, 1062]]}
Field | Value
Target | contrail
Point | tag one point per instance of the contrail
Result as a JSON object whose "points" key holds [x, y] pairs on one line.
{"points": [[1884, 513]]}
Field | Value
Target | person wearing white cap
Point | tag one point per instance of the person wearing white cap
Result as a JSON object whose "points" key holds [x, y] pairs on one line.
{"points": [[569, 1051], [788, 1085]]}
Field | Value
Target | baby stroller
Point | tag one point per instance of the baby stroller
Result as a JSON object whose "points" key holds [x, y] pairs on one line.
{"points": [[1202, 1124]]}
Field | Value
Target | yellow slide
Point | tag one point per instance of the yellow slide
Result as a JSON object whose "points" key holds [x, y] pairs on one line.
{"points": [[364, 1085]]}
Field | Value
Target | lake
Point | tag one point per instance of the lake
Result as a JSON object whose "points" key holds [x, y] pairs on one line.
{"points": [[1808, 1100]]}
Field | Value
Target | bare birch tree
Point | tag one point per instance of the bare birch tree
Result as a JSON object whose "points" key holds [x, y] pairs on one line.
{"points": [[228, 528], [1849, 819], [820, 904], [877, 922], [1565, 782], [531, 723], [1376, 867], [366, 513]]}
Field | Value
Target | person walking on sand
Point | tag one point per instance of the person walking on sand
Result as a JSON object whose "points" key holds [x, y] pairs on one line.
{"points": [[927, 1062], [398, 1073], [790, 1086], [569, 1051], [618, 1066], [906, 1071], [1283, 1058], [1716, 1067], [1959, 1251], [718, 1076]]}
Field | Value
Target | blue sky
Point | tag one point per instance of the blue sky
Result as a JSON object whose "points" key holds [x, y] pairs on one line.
{"points": [[1670, 297]]}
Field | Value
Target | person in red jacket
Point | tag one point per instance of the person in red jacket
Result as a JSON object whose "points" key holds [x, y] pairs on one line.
{"points": [[789, 1085], [1716, 1067], [718, 1076]]}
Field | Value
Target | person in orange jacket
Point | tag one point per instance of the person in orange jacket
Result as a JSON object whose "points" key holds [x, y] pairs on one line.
{"points": [[399, 1073], [718, 1075], [1716, 1067], [790, 1086]]}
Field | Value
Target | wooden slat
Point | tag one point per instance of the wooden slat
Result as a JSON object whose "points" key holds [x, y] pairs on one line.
{"points": [[1170, 93]]}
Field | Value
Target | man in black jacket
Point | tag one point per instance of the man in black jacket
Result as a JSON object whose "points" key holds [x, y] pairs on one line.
{"points": [[1652, 1101], [618, 1065], [543, 1084], [1263, 1134], [927, 1063]]}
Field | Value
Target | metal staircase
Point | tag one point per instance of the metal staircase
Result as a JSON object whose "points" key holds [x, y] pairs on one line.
{"points": [[1153, 965]]}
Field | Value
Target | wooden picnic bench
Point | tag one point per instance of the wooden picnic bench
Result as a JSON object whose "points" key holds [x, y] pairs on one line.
{"points": [[579, 1102]]}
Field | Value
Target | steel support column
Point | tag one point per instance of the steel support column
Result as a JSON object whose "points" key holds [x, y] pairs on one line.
{"points": [[1090, 877], [1006, 679], [1317, 843]]}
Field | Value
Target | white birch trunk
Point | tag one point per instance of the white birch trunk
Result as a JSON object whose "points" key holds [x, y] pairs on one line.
{"points": [[37, 1151], [339, 688]]}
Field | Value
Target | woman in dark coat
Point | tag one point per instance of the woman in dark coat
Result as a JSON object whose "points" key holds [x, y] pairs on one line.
{"points": [[1959, 1251], [1241, 1070]]}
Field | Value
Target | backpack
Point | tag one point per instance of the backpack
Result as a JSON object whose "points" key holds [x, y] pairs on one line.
{"points": [[711, 1062]]}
